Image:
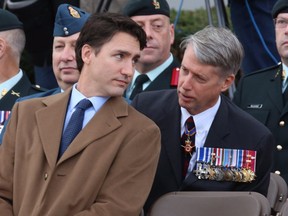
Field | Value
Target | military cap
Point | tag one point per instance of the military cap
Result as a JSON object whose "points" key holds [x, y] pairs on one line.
{"points": [[69, 20], [281, 6], [9, 21], [146, 7]]}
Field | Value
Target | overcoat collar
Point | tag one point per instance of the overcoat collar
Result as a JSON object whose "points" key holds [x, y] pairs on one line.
{"points": [[50, 120]]}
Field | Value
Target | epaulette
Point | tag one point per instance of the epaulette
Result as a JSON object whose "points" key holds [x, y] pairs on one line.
{"points": [[274, 67]]}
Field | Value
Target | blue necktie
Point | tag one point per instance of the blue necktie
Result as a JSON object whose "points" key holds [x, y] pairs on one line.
{"points": [[74, 126]]}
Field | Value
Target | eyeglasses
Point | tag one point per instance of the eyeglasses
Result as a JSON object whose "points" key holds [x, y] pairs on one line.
{"points": [[280, 22]]}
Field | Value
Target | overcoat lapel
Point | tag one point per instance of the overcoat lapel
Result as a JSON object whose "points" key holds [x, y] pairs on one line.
{"points": [[104, 122], [50, 121]]}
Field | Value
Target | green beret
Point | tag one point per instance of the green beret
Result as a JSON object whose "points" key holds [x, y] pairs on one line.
{"points": [[69, 20], [9, 21], [281, 6], [146, 7]]}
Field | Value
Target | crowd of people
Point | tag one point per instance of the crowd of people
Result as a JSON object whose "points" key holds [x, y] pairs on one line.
{"points": [[129, 122]]}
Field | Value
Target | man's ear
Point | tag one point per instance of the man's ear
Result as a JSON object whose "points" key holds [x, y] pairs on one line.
{"points": [[87, 53], [3, 47], [228, 81]]}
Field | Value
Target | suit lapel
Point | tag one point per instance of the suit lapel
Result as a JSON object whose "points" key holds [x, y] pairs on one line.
{"points": [[220, 126], [171, 142]]}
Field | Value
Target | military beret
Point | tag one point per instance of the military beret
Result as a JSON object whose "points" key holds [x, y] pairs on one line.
{"points": [[9, 21], [146, 7], [281, 6], [69, 20]]}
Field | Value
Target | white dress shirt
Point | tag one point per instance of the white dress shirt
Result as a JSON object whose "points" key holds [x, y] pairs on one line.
{"points": [[203, 122]]}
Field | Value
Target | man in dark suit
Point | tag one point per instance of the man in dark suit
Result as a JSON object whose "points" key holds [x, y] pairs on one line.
{"points": [[263, 94], [156, 60], [222, 133], [107, 168], [13, 81]]}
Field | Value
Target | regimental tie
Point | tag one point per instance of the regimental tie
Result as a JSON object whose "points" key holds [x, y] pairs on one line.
{"points": [[188, 143], [140, 80], [74, 126]]}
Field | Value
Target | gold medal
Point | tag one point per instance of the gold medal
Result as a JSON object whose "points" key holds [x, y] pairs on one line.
{"points": [[251, 174], [228, 175], [219, 174], [212, 173], [188, 147]]}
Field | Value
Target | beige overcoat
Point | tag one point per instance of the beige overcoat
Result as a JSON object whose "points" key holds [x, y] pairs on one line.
{"points": [[107, 170]]}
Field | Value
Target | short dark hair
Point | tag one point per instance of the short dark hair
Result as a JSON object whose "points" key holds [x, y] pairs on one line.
{"points": [[101, 27]]}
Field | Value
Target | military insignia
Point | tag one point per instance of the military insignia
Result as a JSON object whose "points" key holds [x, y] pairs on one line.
{"points": [[3, 92], [156, 4], [4, 115], [188, 143], [221, 164], [15, 93], [74, 13], [175, 77]]}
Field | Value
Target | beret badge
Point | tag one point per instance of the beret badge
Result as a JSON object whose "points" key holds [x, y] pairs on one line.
{"points": [[73, 12], [156, 4]]}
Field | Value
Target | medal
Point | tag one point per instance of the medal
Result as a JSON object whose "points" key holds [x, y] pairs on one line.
{"points": [[188, 144], [221, 164]]}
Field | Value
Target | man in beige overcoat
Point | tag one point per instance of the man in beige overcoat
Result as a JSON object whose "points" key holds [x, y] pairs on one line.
{"points": [[108, 168]]}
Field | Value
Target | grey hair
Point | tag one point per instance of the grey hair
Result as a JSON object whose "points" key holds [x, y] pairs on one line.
{"points": [[16, 39], [218, 47]]}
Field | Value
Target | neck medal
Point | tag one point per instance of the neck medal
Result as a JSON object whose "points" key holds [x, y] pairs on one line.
{"points": [[189, 146]]}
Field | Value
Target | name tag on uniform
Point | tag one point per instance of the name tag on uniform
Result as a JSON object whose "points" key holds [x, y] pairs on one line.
{"points": [[255, 106]]}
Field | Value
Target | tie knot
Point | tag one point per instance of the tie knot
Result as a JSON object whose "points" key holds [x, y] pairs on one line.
{"points": [[189, 124], [142, 78], [84, 104]]}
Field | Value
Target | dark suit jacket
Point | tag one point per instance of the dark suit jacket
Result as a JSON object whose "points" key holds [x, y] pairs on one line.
{"points": [[260, 94], [21, 89], [232, 128]]}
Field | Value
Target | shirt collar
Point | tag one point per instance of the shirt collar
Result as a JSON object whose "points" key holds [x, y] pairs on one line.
{"points": [[77, 96], [8, 84], [203, 120]]}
